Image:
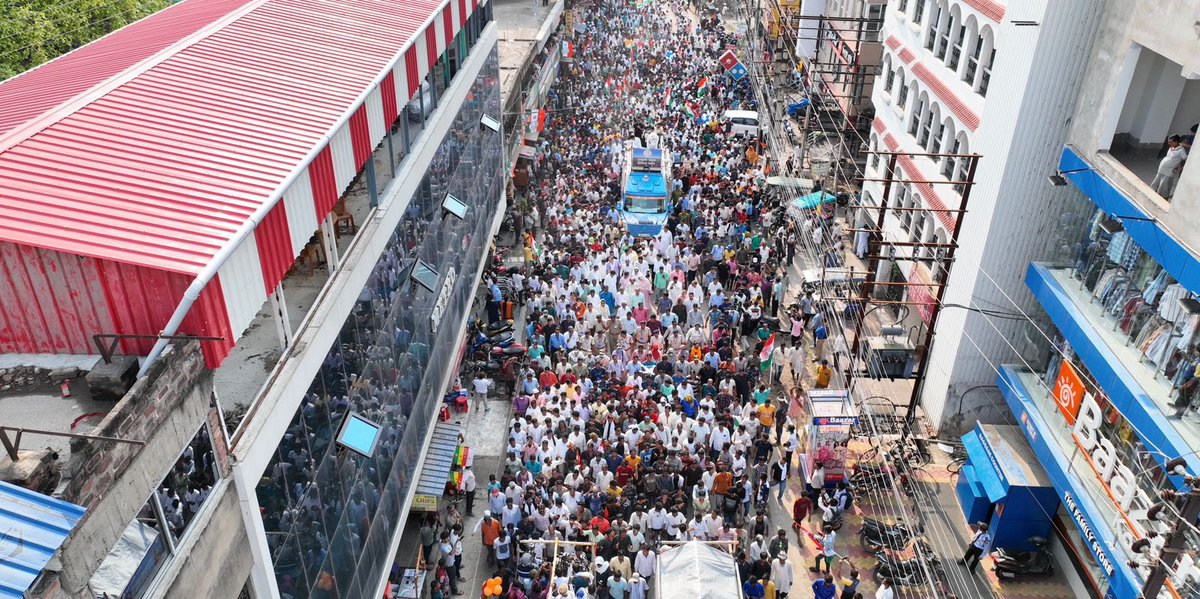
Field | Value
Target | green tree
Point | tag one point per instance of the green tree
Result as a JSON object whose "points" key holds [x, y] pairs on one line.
{"points": [[35, 31]]}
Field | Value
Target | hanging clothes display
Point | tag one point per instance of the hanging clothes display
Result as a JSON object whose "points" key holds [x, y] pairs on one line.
{"points": [[1168, 306], [1155, 287]]}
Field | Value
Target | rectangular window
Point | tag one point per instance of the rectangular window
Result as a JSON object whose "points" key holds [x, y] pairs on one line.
{"points": [[891, 79], [956, 50], [874, 156], [874, 22], [919, 11], [902, 5], [154, 534], [902, 99]]}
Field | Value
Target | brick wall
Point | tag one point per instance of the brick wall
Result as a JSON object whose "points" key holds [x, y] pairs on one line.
{"points": [[114, 480]]}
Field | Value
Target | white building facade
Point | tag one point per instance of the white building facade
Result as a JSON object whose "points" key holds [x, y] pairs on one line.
{"points": [[972, 77]]}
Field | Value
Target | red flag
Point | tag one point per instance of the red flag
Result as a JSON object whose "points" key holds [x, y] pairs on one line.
{"points": [[814, 538]]}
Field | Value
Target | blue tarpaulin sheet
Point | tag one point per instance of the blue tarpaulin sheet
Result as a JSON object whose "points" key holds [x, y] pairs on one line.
{"points": [[813, 200]]}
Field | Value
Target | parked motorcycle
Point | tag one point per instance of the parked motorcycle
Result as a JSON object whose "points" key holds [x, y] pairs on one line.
{"points": [[1016, 564], [905, 572], [495, 328], [876, 535]]}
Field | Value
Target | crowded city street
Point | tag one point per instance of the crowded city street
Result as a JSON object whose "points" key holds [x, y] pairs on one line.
{"points": [[656, 378]]}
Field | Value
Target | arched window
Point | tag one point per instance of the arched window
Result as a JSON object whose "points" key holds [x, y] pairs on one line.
{"points": [[932, 31], [918, 113], [931, 130], [902, 93], [960, 174], [917, 230], [958, 32], [873, 161], [972, 47], [891, 75], [987, 56], [932, 114], [943, 139], [943, 32], [918, 12], [937, 254]]}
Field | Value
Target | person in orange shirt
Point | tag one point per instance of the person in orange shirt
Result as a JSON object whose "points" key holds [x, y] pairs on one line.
{"points": [[766, 415], [489, 527], [723, 481]]}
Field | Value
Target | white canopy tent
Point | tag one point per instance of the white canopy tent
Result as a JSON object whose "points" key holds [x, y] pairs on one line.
{"points": [[695, 570]]}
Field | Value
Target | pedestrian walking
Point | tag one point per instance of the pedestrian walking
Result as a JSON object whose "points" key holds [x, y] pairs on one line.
{"points": [[979, 545]]}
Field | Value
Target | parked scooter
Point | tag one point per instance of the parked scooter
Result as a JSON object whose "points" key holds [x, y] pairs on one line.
{"points": [[1016, 564], [876, 535]]}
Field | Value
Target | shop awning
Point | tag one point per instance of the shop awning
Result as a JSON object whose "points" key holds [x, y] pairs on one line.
{"points": [[804, 185], [32, 528], [435, 470]]}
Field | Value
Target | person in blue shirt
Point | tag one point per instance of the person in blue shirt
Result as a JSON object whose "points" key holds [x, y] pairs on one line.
{"points": [[495, 289], [689, 406], [529, 386], [533, 466], [753, 589], [608, 299], [824, 588]]}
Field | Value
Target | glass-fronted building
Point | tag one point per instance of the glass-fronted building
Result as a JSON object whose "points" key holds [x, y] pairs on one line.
{"points": [[1112, 395], [332, 517]]}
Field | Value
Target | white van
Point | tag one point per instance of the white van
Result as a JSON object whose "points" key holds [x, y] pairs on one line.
{"points": [[742, 122]]}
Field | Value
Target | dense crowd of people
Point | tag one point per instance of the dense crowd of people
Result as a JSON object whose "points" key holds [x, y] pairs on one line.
{"points": [[648, 409]]}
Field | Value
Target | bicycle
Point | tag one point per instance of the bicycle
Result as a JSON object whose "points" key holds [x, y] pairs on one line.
{"points": [[955, 465]]}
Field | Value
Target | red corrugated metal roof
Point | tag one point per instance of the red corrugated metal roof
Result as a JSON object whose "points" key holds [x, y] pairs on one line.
{"points": [[988, 8], [31, 94], [163, 166]]}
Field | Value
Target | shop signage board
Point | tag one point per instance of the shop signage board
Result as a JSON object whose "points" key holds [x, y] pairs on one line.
{"points": [[443, 299], [728, 59], [1068, 392], [737, 71], [424, 503]]}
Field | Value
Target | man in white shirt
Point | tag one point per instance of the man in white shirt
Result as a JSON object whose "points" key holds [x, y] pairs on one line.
{"points": [[645, 563], [885, 590], [738, 465], [468, 488], [480, 385], [756, 549], [604, 478], [1169, 168], [980, 543]]}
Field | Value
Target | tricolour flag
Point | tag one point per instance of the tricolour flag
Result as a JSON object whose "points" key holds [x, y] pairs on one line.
{"points": [[691, 109], [702, 87], [767, 349]]}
